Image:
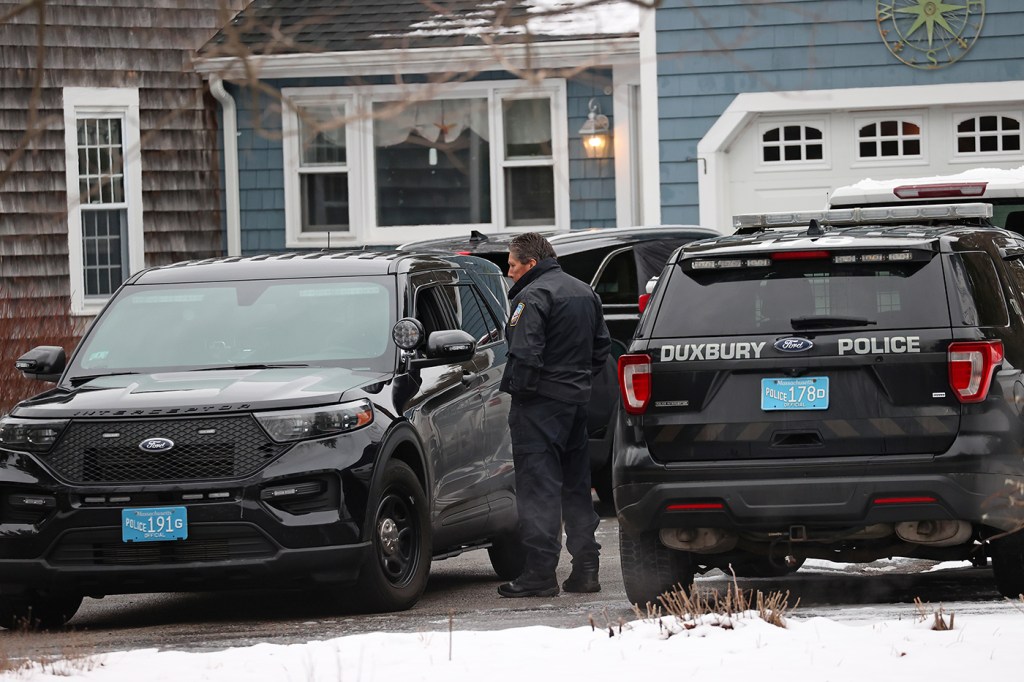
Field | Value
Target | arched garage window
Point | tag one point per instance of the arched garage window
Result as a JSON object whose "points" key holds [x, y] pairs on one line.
{"points": [[988, 134], [791, 144], [889, 139]]}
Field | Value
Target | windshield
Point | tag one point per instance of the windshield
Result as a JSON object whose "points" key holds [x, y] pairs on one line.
{"points": [[803, 295], [341, 322]]}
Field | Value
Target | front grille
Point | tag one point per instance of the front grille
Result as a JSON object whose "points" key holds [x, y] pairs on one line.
{"points": [[213, 544], [205, 448]]}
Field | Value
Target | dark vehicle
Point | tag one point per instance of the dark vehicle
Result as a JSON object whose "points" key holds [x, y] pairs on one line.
{"points": [[289, 420], [617, 263], [848, 389]]}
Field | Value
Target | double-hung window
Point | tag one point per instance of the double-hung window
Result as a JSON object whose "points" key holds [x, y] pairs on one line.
{"points": [[104, 190], [388, 164]]}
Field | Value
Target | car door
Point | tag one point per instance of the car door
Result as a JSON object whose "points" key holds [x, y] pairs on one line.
{"points": [[453, 411]]}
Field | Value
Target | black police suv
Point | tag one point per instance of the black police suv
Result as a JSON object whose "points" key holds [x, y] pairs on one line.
{"points": [[844, 385], [617, 263], [286, 420]]}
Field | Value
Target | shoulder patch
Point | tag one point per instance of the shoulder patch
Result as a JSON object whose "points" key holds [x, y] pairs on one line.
{"points": [[516, 314]]}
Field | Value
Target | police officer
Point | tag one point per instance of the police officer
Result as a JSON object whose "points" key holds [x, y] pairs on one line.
{"points": [[557, 342]]}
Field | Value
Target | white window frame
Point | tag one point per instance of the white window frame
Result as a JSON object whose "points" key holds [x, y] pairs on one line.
{"points": [[122, 103], [821, 124], [290, 126], [362, 169], [915, 117], [959, 117]]}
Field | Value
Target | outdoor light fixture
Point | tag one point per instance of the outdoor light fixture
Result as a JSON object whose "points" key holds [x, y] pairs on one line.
{"points": [[595, 132]]}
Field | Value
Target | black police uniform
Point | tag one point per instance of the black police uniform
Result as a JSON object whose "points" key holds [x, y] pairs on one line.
{"points": [[557, 340]]}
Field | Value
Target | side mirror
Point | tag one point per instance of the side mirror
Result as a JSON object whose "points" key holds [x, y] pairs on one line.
{"points": [[444, 347], [45, 363]]}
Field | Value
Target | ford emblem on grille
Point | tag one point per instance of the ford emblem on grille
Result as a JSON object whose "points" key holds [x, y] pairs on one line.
{"points": [[156, 445], [793, 344]]}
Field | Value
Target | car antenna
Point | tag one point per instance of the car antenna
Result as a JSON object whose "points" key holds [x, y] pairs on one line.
{"points": [[477, 236], [814, 229]]}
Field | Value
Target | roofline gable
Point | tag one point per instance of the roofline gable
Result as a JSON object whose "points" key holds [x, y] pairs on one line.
{"points": [[574, 54]]}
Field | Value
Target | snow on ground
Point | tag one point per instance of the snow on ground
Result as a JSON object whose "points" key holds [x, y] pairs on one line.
{"points": [[744, 647]]}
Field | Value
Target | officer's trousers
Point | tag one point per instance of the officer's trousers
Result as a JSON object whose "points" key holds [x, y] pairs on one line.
{"points": [[549, 448]]}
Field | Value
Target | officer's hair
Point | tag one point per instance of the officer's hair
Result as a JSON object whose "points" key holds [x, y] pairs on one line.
{"points": [[530, 245]]}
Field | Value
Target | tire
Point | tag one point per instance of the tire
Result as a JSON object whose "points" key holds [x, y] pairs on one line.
{"points": [[395, 575], [649, 569], [757, 566], [508, 558], [1008, 565], [38, 612]]}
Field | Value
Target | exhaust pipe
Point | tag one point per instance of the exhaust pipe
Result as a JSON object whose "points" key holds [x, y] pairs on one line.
{"points": [[699, 540], [942, 533]]}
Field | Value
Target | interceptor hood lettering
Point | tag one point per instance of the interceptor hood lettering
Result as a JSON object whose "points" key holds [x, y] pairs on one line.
{"points": [[192, 393]]}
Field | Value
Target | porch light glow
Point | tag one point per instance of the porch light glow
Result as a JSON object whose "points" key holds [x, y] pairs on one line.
{"points": [[595, 132]]}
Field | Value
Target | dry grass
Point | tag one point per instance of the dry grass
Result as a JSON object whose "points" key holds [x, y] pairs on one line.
{"points": [[18, 655], [938, 616], [27, 322], [694, 607]]}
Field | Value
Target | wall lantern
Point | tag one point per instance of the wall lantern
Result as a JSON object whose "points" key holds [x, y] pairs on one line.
{"points": [[596, 132]]}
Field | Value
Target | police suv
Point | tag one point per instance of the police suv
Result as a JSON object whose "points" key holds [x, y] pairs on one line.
{"points": [[842, 385]]}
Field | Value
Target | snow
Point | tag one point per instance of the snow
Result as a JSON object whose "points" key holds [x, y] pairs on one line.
{"points": [[742, 646], [1010, 177], [551, 18]]}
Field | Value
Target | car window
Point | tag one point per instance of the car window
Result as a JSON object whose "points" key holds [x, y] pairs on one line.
{"points": [[726, 301], [617, 282], [451, 306], [475, 318], [249, 322], [584, 264]]}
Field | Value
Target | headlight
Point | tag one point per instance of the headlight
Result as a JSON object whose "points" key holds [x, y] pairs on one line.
{"points": [[315, 422], [32, 435]]}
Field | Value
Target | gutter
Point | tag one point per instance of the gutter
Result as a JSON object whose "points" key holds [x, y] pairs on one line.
{"points": [[542, 55], [232, 201]]}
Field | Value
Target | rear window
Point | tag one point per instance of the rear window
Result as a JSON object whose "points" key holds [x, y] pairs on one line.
{"points": [[782, 298]]}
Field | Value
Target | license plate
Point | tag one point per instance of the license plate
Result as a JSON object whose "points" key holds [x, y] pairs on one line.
{"points": [[805, 393], [154, 524]]}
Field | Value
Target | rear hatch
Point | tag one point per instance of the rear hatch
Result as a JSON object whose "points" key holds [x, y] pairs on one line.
{"points": [[790, 353]]}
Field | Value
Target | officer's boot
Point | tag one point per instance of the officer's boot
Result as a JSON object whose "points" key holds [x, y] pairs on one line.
{"points": [[584, 576]]}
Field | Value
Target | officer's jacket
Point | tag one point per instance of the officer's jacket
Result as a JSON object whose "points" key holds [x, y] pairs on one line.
{"points": [[556, 335]]}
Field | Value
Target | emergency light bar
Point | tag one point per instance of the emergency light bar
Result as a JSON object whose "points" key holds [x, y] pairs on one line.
{"points": [[869, 215]]}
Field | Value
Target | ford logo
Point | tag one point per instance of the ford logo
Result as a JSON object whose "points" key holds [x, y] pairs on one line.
{"points": [[156, 445], [793, 344]]}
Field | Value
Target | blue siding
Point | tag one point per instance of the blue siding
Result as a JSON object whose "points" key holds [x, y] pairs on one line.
{"points": [[712, 50], [591, 181]]}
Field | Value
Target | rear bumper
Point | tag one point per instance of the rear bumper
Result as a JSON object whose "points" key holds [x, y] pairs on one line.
{"points": [[774, 496]]}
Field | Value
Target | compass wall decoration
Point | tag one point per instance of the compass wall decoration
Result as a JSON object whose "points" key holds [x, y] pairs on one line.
{"points": [[929, 34]]}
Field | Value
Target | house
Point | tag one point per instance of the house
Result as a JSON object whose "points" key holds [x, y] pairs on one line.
{"points": [[769, 106], [108, 154], [353, 124], [108, 159]]}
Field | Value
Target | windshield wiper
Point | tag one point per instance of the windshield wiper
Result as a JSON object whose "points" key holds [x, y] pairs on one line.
{"points": [[249, 366], [826, 321], [85, 378]]}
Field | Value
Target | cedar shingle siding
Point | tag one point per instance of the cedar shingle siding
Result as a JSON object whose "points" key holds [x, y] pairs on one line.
{"points": [[106, 43]]}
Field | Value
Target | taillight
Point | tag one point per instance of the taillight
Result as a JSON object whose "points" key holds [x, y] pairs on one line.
{"points": [[799, 255], [635, 382], [971, 366], [642, 301]]}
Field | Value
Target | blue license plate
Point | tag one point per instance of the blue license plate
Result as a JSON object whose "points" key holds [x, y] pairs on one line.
{"points": [[805, 393], [154, 524]]}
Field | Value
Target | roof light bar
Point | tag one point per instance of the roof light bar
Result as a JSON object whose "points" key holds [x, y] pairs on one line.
{"points": [[866, 215]]}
